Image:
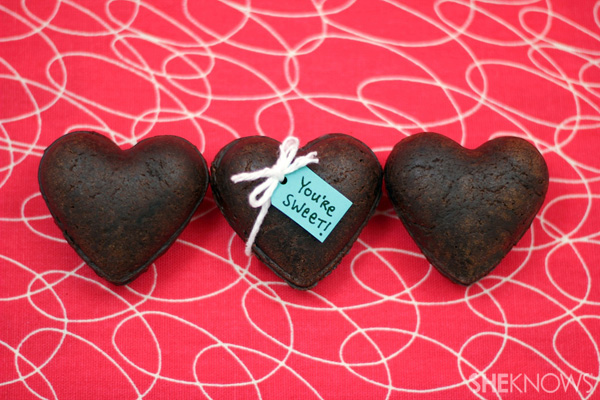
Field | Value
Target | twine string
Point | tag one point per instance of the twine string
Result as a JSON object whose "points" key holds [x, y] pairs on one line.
{"points": [[261, 195]]}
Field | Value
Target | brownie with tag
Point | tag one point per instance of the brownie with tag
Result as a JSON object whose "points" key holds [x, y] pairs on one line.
{"points": [[291, 250]]}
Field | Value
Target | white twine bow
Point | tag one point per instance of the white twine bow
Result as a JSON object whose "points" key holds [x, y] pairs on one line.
{"points": [[261, 195]]}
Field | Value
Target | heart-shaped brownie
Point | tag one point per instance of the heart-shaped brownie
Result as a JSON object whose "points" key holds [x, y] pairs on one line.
{"points": [[120, 210], [345, 163], [465, 208]]}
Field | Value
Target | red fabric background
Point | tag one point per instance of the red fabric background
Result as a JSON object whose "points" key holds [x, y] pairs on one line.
{"points": [[207, 322]]}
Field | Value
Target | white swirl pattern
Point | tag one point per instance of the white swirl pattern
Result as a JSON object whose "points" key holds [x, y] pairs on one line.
{"points": [[208, 322]]}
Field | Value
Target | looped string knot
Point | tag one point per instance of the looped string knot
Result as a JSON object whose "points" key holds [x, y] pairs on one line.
{"points": [[261, 195]]}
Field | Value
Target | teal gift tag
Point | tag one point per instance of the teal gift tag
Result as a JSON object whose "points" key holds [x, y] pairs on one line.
{"points": [[311, 202]]}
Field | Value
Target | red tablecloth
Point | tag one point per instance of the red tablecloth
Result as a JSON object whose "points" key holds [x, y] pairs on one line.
{"points": [[206, 321]]}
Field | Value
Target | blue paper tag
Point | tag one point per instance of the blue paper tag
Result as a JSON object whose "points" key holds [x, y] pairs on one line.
{"points": [[311, 202]]}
